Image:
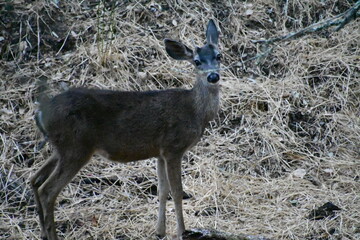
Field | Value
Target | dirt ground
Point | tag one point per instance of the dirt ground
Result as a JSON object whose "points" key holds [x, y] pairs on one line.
{"points": [[285, 142]]}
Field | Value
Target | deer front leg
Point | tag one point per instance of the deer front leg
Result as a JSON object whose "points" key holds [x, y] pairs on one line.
{"points": [[163, 193], [173, 169]]}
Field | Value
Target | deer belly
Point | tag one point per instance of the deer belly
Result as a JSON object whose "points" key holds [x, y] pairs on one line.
{"points": [[129, 155]]}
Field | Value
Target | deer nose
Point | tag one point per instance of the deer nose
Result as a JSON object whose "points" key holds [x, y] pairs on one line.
{"points": [[213, 77]]}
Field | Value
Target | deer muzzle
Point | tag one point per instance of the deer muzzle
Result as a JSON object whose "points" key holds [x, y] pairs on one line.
{"points": [[213, 77]]}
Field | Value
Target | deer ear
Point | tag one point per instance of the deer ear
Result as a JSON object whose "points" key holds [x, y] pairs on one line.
{"points": [[212, 34], [177, 50]]}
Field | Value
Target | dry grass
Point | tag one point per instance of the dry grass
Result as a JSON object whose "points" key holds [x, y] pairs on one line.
{"points": [[285, 141]]}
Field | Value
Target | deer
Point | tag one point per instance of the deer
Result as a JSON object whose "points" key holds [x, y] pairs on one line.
{"points": [[127, 126]]}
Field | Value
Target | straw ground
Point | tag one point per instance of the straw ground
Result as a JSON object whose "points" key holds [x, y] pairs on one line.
{"points": [[285, 141]]}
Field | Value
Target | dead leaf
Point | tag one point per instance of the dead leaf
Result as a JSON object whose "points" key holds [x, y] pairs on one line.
{"points": [[300, 173]]}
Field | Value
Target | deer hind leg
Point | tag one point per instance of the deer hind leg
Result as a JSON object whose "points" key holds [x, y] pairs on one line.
{"points": [[173, 169], [37, 181], [163, 193], [66, 168]]}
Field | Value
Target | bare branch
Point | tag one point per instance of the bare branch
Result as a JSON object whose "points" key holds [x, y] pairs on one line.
{"points": [[341, 20], [350, 14]]}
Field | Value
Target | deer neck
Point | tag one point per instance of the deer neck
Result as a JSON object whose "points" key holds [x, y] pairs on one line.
{"points": [[206, 99]]}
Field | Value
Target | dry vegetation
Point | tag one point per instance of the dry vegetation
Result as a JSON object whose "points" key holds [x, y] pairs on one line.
{"points": [[285, 141]]}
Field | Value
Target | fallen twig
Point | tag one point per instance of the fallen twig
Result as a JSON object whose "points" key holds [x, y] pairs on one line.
{"points": [[341, 20]]}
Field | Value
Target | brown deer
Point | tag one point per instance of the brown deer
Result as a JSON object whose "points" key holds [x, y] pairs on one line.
{"points": [[128, 126]]}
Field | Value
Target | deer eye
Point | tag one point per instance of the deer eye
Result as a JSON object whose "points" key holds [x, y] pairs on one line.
{"points": [[219, 57], [197, 62]]}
